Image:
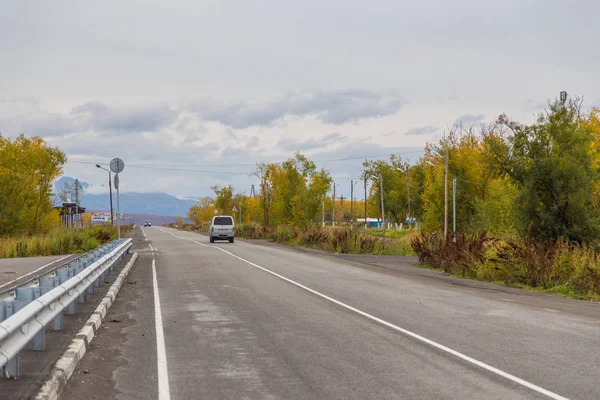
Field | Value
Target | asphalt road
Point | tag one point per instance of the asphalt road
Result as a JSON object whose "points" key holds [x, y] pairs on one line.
{"points": [[252, 321], [16, 270]]}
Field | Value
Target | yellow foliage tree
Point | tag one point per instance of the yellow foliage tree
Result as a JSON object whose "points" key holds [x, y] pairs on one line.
{"points": [[28, 168]]}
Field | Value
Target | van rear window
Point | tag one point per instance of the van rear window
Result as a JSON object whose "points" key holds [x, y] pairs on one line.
{"points": [[223, 221]]}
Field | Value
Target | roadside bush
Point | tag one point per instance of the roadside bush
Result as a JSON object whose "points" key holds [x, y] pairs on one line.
{"points": [[285, 234], [314, 237], [252, 231], [60, 241], [556, 266], [462, 257]]}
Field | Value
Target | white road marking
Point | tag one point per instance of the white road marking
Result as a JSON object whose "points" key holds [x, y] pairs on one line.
{"points": [[164, 392], [33, 272], [161, 351], [418, 337]]}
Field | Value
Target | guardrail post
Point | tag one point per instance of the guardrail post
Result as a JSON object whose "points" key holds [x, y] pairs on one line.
{"points": [[38, 342], [11, 369], [64, 274], [48, 283], [25, 296]]}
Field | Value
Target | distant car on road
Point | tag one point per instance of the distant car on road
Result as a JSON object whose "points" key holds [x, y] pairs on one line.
{"points": [[147, 223], [222, 228]]}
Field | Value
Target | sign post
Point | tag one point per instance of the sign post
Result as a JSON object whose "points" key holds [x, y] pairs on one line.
{"points": [[117, 165]]}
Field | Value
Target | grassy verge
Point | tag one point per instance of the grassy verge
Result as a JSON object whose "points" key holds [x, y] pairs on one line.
{"points": [[557, 267], [60, 241], [336, 240]]}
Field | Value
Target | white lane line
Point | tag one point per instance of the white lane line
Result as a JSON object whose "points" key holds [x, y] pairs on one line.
{"points": [[161, 351], [418, 337], [33, 272]]}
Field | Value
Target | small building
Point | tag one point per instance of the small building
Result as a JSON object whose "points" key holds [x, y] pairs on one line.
{"points": [[70, 214]]}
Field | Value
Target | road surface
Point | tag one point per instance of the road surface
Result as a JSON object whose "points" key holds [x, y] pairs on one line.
{"points": [[16, 270], [233, 321]]}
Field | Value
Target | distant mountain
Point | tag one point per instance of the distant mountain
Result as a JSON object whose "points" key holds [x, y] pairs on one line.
{"points": [[156, 204]]}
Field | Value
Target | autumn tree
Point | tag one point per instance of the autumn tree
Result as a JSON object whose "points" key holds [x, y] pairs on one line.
{"points": [[28, 168], [554, 168]]}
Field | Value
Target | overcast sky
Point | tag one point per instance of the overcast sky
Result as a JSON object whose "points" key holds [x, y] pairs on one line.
{"points": [[218, 85]]}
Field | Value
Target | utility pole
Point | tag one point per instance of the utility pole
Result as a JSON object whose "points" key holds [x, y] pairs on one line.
{"points": [[445, 194], [333, 215], [454, 209], [366, 225], [342, 199], [76, 199], [408, 197], [351, 202], [252, 193], [382, 209], [323, 219]]}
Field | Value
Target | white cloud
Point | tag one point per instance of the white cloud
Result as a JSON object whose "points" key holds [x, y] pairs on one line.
{"points": [[207, 86]]}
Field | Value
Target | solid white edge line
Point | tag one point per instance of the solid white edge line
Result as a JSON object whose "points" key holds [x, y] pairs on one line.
{"points": [[430, 342], [33, 272], [161, 351]]}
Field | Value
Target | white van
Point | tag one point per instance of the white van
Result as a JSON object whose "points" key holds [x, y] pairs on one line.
{"points": [[222, 228]]}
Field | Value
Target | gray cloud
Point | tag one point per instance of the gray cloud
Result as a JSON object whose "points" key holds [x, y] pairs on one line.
{"points": [[292, 144], [334, 107], [469, 119], [31, 117], [422, 130], [253, 142], [100, 117]]}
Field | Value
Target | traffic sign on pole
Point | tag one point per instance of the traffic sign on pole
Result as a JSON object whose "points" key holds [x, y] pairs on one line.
{"points": [[117, 165]]}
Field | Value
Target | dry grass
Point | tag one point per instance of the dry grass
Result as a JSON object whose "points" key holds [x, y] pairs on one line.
{"points": [[60, 241], [556, 267]]}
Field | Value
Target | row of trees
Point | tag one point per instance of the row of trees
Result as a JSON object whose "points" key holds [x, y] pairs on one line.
{"points": [[290, 193], [512, 180], [540, 180], [28, 169]]}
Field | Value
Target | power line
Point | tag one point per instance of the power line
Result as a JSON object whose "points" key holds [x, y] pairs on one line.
{"points": [[251, 164]]}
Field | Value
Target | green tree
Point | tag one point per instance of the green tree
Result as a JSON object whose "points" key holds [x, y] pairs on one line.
{"points": [[224, 201], [554, 170]]}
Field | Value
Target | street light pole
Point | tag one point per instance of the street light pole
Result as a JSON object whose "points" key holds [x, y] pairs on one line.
{"points": [[112, 222]]}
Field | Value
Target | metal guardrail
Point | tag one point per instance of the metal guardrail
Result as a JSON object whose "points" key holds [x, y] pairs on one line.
{"points": [[28, 309]]}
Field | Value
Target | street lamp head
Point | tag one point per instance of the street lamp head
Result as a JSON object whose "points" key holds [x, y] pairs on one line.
{"points": [[98, 166], [430, 163]]}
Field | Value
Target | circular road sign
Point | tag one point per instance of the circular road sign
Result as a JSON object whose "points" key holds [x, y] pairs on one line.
{"points": [[117, 165]]}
